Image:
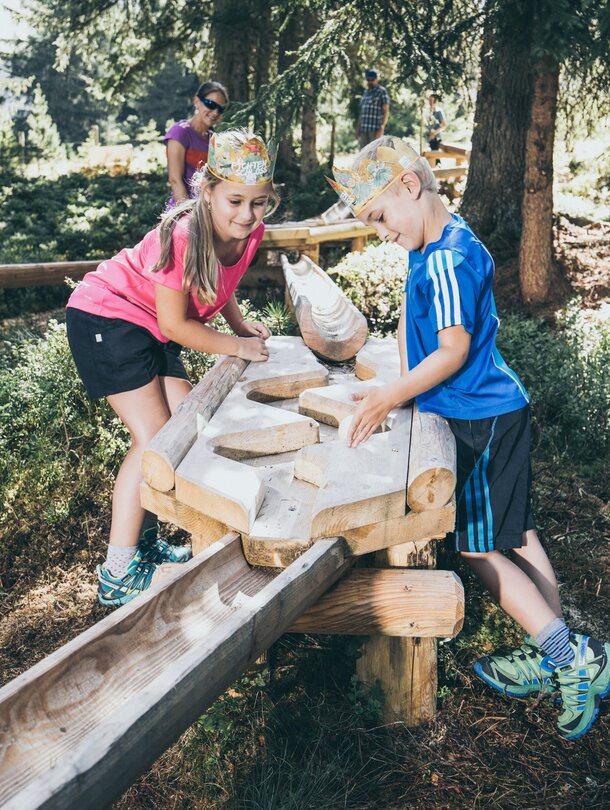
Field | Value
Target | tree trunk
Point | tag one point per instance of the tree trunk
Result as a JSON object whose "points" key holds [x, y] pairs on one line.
{"points": [[494, 190], [309, 156], [288, 43], [264, 48], [536, 249], [231, 31]]}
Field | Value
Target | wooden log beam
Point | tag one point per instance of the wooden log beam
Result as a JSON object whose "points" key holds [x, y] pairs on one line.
{"points": [[77, 729], [178, 435], [43, 273], [432, 462], [388, 602], [330, 324]]}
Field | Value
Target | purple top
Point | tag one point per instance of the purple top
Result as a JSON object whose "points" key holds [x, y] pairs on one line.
{"points": [[196, 147]]}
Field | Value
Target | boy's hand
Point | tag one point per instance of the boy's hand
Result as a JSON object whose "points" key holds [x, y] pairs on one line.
{"points": [[253, 329], [374, 407], [252, 348]]}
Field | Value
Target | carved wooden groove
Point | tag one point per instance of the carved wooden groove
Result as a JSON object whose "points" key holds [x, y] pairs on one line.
{"points": [[330, 324]]}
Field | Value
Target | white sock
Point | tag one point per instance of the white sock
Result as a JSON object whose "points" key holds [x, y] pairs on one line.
{"points": [[118, 558]]}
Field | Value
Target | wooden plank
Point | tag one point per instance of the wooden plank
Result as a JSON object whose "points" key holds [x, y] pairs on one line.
{"points": [[388, 602], [329, 323], [77, 729], [203, 530], [177, 436], [378, 358], [449, 172]]}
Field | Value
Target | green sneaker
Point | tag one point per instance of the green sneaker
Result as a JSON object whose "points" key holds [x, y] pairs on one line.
{"points": [[156, 550], [582, 684], [117, 591], [519, 673]]}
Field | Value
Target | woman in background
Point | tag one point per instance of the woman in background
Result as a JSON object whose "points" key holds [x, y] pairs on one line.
{"points": [[187, 141]]}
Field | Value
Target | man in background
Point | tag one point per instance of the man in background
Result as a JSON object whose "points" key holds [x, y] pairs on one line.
{"points": [[374, 110]]}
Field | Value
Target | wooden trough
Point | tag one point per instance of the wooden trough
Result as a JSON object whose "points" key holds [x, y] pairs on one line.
{"points": [[253, 465]]}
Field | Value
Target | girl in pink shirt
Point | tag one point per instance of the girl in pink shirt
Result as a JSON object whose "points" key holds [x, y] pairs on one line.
{"points": [[128, 320]]}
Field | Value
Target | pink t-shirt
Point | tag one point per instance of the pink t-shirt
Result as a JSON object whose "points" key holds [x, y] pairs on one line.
{"points": [[123, 287]]}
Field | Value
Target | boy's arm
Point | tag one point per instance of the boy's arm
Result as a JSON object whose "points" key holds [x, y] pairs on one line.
{"points": [[454, 345], [402, 336]]}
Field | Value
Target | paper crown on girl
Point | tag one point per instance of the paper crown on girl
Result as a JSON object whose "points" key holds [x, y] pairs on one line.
{"points": [[358, 187], [251, 163]]}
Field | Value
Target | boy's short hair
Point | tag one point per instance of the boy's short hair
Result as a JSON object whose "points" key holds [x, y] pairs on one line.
{"points": [[421, 167]]}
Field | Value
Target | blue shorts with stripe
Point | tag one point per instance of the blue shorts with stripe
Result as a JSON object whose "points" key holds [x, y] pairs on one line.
{"points": [[493, 481]]}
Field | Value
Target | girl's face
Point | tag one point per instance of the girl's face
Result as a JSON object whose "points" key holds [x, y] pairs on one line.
{"points": [[207, 116], [397, 214], [237, 209]]}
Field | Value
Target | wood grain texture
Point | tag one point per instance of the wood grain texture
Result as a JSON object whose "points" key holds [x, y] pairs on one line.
{"points": [[178, 435], [77, 729], [388, 602], [432, 462], [411, 531], [330, 324]]}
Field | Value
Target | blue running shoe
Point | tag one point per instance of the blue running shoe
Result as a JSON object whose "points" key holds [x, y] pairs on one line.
{"points": [[582, 683], [156, 550], [517, 674], [115, 591]]}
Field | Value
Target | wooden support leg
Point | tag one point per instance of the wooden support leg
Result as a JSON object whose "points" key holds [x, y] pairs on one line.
{"points": [[405, 668], [313, 251], [359, 243]]}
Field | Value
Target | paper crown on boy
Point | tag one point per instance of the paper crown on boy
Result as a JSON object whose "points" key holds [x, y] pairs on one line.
{"points": [[251, 163], [358, 187]]}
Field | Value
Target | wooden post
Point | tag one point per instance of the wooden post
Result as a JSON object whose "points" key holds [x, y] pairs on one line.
{"points": [[313, 251], [359, 244], [404, 667]]}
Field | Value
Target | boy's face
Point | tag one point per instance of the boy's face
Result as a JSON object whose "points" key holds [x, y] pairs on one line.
{"points": [[397, 214]]}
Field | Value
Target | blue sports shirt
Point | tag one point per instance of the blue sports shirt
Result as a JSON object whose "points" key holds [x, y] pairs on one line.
{"points": [[447, 285]]}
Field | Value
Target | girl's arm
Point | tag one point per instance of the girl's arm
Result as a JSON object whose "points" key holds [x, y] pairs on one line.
{"points": [[452, 353], [176, 157], [402, 336], [232, 315], [173, 322]]}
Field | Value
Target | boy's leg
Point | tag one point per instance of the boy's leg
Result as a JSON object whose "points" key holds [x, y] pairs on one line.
{"points": [[532, 559], [512, 589]]}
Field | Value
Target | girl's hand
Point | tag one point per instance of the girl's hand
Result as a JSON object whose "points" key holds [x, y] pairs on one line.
{"points": [[253, 329], [373, 409], [252, 348]]}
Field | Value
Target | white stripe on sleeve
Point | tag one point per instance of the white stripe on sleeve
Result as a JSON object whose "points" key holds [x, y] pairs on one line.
{"points": [[457, 309], [437, 304], [446, 303]]}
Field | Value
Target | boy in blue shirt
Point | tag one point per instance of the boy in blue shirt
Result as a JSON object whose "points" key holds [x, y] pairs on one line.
{"points": [[451, 366]]}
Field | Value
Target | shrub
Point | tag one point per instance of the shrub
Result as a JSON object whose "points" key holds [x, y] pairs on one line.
{"points": [[374, 281]]}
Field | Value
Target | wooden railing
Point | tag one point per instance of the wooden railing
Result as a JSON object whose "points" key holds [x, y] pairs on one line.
{"points": [[305, 238]]}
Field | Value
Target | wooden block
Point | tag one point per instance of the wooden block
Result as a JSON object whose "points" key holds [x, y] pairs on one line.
{"points": [[330, 324], [358, 486], [203, 530], [77, 729], [432, 462], [332, 404], [388, 602], [379, 358]]}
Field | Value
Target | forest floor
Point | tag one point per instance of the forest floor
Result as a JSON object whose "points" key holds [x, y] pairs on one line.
{"points": [[300, 735]]}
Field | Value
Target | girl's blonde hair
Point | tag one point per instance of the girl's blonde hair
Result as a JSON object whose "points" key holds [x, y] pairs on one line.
{"points": [[200, 260], [421, 167]]}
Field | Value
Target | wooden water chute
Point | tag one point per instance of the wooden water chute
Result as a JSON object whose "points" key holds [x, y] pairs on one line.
{"points": [[329, 323]]}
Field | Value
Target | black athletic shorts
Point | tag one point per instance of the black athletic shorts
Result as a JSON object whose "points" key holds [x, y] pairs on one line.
{"points": [[493, 481], [113, 355]]}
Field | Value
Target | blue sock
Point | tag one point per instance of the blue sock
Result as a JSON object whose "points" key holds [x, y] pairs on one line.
{"points": [[554, 639]]}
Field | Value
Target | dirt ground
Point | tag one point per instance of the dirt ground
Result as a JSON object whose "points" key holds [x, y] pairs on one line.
{"points": [[482, 751]]}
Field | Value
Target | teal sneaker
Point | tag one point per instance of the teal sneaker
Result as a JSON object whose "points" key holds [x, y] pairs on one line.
{"points": [[582, 684], [517, 674], [115, 591], [156, 550]]}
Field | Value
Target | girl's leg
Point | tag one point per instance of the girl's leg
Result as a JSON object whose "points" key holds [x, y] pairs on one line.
{"points": [[532, 559], [144, 412], [174, 391], [513, 590]]}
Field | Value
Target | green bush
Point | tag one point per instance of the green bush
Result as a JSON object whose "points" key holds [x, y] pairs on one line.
{"points": [[374, 281]]}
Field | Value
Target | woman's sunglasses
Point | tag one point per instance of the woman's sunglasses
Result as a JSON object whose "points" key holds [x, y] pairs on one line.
{"points": [[212, 105]]}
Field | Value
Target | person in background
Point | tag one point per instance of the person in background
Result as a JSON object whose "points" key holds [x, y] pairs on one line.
{"points": [[374, 110], [187, 141], [436, 122]]}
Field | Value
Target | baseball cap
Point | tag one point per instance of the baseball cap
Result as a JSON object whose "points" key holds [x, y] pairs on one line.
{"points": [[371, 74]]}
